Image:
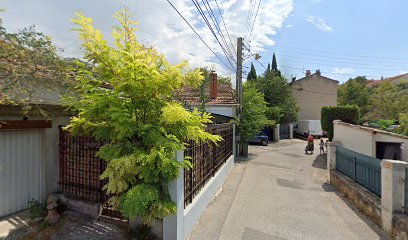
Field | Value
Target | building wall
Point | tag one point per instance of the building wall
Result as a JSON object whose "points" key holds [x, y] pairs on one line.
{"points": [[354, 139], [363, 139], [312, 93], [229, 111]]}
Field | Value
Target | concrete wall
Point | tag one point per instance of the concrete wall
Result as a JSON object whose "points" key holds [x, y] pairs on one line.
{"points": [[363, 139], [194, 210], [312, 93], [354, 139], [179, 225]]}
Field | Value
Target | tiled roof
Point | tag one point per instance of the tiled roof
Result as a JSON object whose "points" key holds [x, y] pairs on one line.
{"points": [[225, 95], [395, 80]]}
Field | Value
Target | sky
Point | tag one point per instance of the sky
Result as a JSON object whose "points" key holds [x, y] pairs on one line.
{"points": [[343, 39]]}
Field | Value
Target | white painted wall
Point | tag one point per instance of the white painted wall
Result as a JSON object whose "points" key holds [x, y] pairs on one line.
{"points": [[194, 210], [179, 225], [363, 140], [229, 111], [354, 139]]}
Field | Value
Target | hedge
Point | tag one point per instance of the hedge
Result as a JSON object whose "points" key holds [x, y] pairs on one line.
{"points": [[347, 113]]}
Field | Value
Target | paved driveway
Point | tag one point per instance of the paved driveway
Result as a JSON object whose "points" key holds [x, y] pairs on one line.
{"points": [[281, 193]]}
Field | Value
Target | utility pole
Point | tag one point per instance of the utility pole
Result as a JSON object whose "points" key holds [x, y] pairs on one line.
{"points": [[239, 75], [238, 86]]}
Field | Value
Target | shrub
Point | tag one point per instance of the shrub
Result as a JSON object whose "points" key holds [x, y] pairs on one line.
{"points": [[347, 113]]}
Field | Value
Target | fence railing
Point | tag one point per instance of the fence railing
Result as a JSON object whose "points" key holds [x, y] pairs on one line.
{"points": [[363, 169], [80, 168], [206, 158]]}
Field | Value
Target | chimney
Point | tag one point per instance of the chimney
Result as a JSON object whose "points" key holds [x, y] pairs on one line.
{"points": [[213, 85], [308, 73], [318, 72]]}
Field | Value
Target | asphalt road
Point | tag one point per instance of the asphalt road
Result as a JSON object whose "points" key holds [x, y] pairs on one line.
{"points": [[281, 193]]}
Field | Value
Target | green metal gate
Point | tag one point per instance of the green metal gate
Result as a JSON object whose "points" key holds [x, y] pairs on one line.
{"points": [[363, 169]]}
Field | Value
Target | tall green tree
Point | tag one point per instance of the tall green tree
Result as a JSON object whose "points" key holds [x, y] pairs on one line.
{"points": [[28, 61], [274, 63], [355, 92], [282, 106], [388, 101], [253, 117], [252, 73], [137, 115]]}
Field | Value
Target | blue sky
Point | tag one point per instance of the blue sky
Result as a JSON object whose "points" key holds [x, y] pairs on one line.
{"points": [[341, 38], [368, 37]]}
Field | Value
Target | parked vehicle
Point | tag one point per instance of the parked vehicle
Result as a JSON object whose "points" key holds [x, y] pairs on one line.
{"points": [[260, 138], [309, 127]]}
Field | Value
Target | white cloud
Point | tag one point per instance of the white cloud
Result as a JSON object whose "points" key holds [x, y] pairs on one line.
{"points": [[402, 71], [319, 23], [346, 70], [289, 25], [159, 24]]}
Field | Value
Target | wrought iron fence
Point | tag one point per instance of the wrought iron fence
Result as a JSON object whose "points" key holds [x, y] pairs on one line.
{"points": [[363, 169], [80, 168], [206, 158]]}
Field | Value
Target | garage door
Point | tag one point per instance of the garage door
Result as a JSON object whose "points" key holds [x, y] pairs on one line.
{"points": [[21, 173]]}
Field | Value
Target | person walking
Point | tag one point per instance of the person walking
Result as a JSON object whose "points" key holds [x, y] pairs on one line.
{"points": [[310, 144], [321, 144]]}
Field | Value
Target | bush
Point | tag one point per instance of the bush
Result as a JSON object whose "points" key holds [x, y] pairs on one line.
{"points": [[347, 113]]}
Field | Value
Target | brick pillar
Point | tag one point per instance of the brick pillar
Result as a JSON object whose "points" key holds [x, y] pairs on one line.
{"points": [[392, 190], [213, 85]]}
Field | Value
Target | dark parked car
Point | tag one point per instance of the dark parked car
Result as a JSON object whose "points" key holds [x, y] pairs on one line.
{"points": [[260, 138]]}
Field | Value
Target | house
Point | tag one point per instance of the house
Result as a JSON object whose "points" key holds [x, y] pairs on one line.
{"points": [[371, 141], [218, 99], [313, 92], [394, 80]]}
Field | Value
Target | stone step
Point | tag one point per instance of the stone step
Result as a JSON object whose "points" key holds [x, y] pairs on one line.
{"points": [[114, 220]]}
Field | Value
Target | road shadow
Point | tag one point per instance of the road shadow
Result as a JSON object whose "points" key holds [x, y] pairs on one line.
{"points": [[381, 234], [320, 161]]}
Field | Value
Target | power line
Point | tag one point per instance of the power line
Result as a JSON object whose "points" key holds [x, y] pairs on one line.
{"points": [[192, 28], [332, 65], [200, 10], [252, 55], [225, 26], [301, 89], [217, 27], [333, 60], [253, 23], [348, 56]]}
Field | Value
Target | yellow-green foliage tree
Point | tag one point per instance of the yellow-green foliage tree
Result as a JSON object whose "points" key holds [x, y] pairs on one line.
{"points": [[126, 99]]}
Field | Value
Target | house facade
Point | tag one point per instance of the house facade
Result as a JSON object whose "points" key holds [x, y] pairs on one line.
{"points": [[313, 92], [393, 80], [217, 98]]}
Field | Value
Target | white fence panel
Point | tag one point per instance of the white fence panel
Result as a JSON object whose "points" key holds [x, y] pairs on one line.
{"points": [[21, 169]]}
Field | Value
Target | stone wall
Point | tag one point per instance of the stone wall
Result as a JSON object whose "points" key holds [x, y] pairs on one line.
{"points": [[400, 226], [361, 198]]}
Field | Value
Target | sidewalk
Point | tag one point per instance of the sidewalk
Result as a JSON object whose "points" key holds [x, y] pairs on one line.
{"points": [[281, 193]]}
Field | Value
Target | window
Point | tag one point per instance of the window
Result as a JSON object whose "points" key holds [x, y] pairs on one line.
{"points": [[388, 150]]}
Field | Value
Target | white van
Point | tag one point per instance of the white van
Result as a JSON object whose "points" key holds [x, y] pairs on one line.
{"points": [[309, 127]]}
